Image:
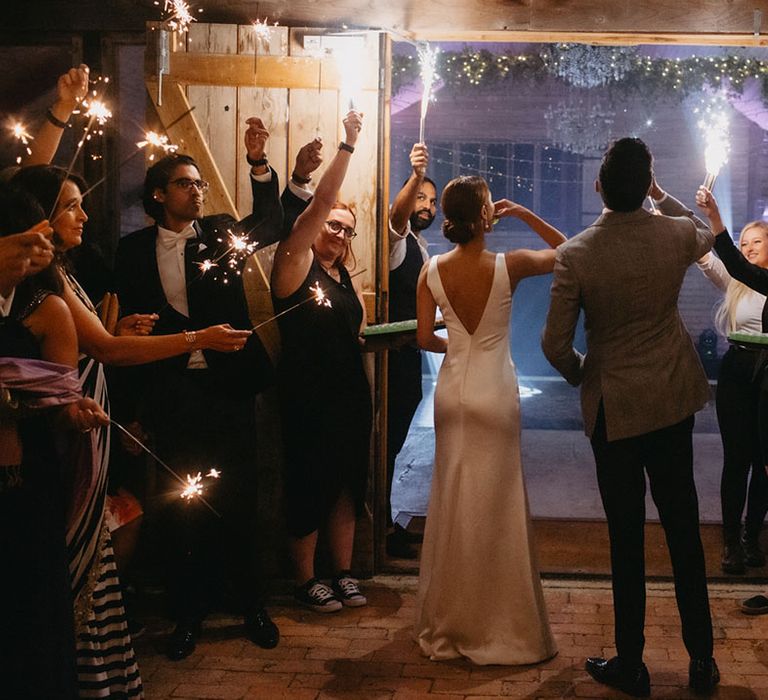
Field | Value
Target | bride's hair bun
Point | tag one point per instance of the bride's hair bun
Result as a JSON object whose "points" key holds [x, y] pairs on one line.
{"points": [[457, 231], [462, 203]]}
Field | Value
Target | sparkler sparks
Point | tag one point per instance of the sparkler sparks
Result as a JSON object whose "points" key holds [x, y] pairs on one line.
{"points": [[319, 295], [714, 124], [20, 133], [194, 487], [97, 110], [427, 70], [206, 265], [157, 141], [262, 31], [179, 16]]}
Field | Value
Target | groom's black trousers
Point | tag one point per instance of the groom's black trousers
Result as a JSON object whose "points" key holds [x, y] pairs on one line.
{"points": [[667, 456]]}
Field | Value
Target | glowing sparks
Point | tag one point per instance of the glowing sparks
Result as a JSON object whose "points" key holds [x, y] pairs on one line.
{"points": [[428, 72], [318, 294], [350, 60], [178, 15], [193, 487], [262, 31], [21, 134], [214, 473], [157, 141], [714, 126], [97, 110], [206, 265]]}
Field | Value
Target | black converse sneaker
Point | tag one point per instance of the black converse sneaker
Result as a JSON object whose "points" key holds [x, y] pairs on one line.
{"points": [[346, 589], [317, 596]]}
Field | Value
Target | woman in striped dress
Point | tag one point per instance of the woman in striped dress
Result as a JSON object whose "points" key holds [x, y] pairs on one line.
{"points": [[106, 663]]}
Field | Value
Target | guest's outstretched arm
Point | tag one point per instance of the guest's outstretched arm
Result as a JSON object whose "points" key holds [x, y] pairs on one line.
{"points": [[737, 265], [293, 256]]}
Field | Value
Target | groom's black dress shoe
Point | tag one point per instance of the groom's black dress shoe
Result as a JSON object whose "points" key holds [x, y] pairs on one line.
{"points": [[703, 676], [261, 630], [182, 642], [633, 680]]}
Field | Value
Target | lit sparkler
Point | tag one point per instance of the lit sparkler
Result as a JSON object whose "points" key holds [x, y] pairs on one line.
{"points": [[206, 265], [179, 16], [157, 141], [717, 144], [350, 61], [318, 296], [20, 133], [192, 486], [262, 33], [428, 68]]}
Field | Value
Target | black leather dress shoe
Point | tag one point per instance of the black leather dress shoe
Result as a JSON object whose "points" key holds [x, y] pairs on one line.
{"points": [[703, 676], [182, 642], [633, 680], [262, 631]]}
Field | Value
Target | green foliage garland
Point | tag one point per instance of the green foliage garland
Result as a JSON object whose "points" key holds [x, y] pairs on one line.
{"points": [[621, 69]]}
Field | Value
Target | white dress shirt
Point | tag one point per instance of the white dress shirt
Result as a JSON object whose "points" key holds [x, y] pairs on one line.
{"points": [[170, 264], [6, 303], [397, 245]]}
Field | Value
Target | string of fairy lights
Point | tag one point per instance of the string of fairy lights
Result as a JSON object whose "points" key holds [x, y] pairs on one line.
{"points": [[623, 69]]}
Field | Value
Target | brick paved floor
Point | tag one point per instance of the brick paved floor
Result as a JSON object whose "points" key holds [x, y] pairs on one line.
{"points": [[368, 653]]}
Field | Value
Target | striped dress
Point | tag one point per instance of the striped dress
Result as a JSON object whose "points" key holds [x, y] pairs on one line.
{"points": [[106, 664]]}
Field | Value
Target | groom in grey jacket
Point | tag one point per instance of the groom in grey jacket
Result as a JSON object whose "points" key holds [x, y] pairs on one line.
{"points": [[641, 383]]}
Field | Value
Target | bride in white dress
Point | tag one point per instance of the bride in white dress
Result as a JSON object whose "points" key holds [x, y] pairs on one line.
{"points": [[480, 596]]}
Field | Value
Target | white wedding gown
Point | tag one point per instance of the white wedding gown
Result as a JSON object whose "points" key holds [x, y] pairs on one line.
{"points": [[479, 593]]}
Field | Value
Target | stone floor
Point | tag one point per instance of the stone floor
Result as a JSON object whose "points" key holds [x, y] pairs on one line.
{"points": [[368, 653]]}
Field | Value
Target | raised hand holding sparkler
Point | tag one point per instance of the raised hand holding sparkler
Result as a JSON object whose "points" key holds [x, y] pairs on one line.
{"points": [[308, 159], [256, 137], [706, 201], [71, 88]]}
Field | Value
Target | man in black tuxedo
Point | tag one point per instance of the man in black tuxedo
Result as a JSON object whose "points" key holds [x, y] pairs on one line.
{"points": [[186, 268]]}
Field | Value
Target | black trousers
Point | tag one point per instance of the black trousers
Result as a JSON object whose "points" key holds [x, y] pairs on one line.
{"points": [[667, 456], [403, 398], [741, 399], [197, 427]]}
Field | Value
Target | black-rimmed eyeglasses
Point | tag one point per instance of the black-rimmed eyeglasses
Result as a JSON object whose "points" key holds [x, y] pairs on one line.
{"points": [[184, 183], [336, 227]]}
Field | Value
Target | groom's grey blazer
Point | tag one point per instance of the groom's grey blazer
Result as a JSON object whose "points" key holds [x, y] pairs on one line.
{"points": [[625, 271]]}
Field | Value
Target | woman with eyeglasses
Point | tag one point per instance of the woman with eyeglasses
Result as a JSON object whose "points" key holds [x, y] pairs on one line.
{"points": [[106, 662], [325, 400]]}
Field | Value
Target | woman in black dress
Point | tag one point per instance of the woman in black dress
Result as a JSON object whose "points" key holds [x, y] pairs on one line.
{"points": [[325, 398]]}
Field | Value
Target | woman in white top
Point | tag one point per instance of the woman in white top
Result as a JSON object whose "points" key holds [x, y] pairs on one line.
{"points": [[738, 387]]}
